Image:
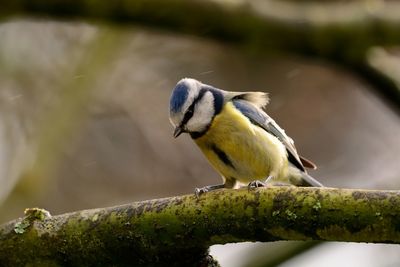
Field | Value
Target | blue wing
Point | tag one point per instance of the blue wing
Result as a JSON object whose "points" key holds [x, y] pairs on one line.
{"points": [[261, 119]]}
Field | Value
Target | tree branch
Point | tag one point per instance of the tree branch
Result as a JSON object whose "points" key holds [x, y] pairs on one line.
{"points": [[341, 32], [179, 230], [315, 28]]}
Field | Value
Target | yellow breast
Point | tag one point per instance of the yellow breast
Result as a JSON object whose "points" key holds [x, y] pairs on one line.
{"points": [[240, 150]]}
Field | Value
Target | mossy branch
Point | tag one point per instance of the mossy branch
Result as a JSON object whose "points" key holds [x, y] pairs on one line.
{"points": [[179, 230]]}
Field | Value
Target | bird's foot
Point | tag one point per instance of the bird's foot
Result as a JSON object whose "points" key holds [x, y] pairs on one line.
{"points": [[199, 191], [256, 184]]}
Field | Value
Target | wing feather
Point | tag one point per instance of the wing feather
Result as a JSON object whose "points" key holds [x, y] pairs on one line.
{"points": [[260, 118], [259, 99]]}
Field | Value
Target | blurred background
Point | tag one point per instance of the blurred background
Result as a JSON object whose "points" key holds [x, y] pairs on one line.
{"points": [[84, 109]]}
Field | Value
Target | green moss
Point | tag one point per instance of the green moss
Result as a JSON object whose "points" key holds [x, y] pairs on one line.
{"points": [[37, 214], [31, 215], [43, 263], [95, 217], [160, 231], [291, 215], [317, 206], [276, 213], [287, 233], [333, 230], [20, 227]]}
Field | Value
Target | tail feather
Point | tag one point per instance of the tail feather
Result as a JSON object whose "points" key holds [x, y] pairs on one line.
{"points": [[308, 163], [310, 181]]}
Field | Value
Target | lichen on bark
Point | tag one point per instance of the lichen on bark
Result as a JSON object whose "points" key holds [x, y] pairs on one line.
{"points": [[179, 230]]}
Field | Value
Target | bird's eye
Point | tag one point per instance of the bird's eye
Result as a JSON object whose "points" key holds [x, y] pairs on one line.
{"points": [[189, 112]]}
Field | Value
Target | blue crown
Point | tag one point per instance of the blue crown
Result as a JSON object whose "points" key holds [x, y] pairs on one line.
{"points": [[178, 97]]}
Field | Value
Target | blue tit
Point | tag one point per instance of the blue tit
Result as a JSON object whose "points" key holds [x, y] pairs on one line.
{"points": [[238, 138]]}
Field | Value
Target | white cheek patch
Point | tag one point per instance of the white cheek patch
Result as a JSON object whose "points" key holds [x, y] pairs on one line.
{"points": [[203, 114]]}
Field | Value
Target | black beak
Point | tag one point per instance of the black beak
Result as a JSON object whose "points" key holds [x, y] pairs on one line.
{"points": [[178, 130]]}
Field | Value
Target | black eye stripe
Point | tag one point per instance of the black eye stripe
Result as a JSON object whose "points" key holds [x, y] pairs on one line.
{"points": [[190, 111]]}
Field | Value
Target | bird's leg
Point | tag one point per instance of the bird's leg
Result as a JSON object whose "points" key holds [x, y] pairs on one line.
{"points": [[229, 183], [258, 183], [269, 178], [208, 188]]}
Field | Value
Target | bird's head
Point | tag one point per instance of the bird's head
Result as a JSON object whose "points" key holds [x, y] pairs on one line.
{"points": [[193, 106]]}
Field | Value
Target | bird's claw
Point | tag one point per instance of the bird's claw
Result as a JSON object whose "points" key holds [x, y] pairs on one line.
{"points": [[208, 188], [256, 184], [199, 191]]}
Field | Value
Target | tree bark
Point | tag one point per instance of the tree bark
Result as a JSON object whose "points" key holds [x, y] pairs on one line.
{"points": [[177, 231]]}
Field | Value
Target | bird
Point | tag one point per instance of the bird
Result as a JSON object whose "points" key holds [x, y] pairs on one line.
{"points": [[239, 139]]}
